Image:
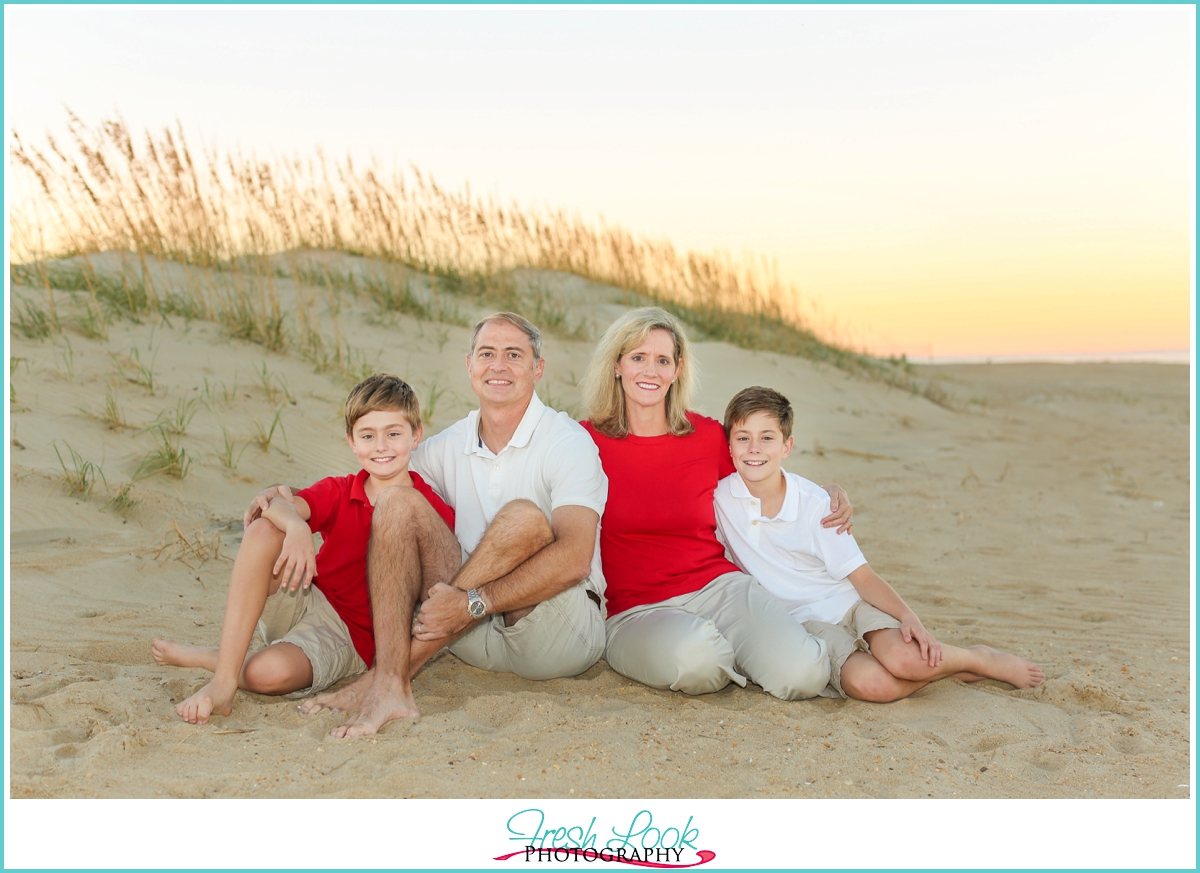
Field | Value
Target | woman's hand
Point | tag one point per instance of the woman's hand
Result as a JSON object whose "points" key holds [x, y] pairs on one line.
{"points": [[262, 502], [840, 510], [912, 629]]}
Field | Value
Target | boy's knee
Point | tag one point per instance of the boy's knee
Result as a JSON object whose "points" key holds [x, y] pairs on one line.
{"points": [[262, 533], [268, 675], [874, 686]]}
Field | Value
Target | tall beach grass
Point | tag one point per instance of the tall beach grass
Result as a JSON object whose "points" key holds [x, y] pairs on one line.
{"points": [[236, 224]]}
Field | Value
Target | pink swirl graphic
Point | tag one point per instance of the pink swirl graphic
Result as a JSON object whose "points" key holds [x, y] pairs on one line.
{"points": [[609, 856]]}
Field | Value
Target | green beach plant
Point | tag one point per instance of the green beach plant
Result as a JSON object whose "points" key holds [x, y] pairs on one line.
{"points": [[30, 320], [81, 476], [175, 421], [110, 415], [264, 436], [131, 368], [229, 454], [167, 459], [122, 502]]}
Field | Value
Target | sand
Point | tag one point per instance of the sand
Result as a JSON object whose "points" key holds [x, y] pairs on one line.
{"points": [[1047, 513]]}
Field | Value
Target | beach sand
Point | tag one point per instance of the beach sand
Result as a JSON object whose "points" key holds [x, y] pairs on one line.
{"points": [[1046, 514]]}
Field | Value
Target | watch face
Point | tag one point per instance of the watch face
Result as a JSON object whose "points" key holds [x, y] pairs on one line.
{"points": [[475, 606]]}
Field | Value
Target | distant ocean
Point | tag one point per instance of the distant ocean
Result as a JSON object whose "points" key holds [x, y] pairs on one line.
{"points": [[1177, 356]]}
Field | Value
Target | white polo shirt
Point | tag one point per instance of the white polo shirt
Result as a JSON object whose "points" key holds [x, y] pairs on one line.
{"points": [[796, 559], [550, 460]]}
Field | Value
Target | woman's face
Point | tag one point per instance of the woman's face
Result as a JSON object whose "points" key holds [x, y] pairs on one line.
{"points": [[647, 370]]}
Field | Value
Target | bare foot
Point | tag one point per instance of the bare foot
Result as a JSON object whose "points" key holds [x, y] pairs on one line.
{"points": [[387, 699], [344, 699], [1009, 668], [171, 654], [212, 698]]}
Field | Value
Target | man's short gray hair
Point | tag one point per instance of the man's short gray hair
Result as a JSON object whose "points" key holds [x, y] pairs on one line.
{"points": [[519, 321]]}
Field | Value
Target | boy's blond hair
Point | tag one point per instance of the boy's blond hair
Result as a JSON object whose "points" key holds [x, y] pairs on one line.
{"points": [[758, 399], [382, 392], [602, 391]]}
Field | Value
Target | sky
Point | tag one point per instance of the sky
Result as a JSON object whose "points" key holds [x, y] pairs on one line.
{"points": [[940, 182]]}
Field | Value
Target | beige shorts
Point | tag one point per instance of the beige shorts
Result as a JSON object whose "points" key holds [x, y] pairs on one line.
{"points": [[563, 636], [305, 619], [844, 639]]}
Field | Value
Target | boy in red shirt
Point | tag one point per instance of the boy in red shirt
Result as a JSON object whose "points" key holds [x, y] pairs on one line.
{"points": [[316, 635]]}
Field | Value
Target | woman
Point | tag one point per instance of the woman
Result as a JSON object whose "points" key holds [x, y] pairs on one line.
{"points": [[681, 616]]}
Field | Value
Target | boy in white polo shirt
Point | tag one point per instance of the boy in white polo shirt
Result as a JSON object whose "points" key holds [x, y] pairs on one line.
{"points": [[770, 522]]}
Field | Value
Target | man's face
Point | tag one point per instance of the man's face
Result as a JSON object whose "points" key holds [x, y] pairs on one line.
{"points": [[502, 366]]}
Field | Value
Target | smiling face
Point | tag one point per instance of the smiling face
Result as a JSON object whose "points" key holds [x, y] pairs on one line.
{"points": [[383, 441], [758, 447], [502, 366], [647, 370]]}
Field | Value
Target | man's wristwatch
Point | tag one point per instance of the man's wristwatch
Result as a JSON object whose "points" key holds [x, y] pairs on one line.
{"points": [[475, 604]]}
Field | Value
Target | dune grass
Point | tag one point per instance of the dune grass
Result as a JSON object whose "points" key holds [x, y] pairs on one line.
{"points": [[168, 458], [247, 223], [81, 476]]}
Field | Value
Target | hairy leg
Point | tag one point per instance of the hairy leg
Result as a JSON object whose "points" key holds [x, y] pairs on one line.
{"points": [[411, 549], [250, 584], [518, 532], [903, 660]]}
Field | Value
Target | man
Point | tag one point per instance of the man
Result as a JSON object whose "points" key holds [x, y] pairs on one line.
{"points": [[523, 593]]}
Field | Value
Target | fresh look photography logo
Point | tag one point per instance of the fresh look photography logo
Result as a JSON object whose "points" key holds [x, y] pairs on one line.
{"points": [[643, 842]]}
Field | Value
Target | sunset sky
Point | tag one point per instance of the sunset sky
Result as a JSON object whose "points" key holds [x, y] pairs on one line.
{"points": [[940, 181]]}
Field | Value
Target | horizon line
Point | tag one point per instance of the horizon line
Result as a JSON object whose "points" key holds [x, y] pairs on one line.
{"points": [[1151, 356]]}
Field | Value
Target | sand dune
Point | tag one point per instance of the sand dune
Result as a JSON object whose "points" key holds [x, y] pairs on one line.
{"points": [[1047, 514]]}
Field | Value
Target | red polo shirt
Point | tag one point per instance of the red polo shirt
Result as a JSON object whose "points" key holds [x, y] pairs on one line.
{"points": [[341, 513]]}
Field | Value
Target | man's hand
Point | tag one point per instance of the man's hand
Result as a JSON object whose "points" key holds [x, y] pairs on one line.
{"points": [[443, 614], [912, 629], [840, 510], [297, 562], [262, 501]]}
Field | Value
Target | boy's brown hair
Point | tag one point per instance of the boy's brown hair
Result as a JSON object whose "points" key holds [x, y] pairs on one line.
{"points": [[382, 392], [758, 399]]}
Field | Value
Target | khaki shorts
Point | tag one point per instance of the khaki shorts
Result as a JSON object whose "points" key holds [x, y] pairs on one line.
{"points": [[305, 619], [846, 638], [563, 636]]}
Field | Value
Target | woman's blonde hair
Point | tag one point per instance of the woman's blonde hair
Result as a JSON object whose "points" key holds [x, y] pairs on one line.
{"points": [[602, 390]]}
